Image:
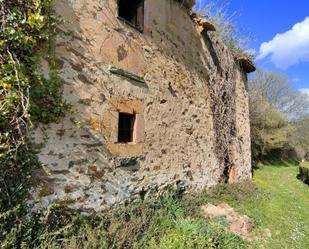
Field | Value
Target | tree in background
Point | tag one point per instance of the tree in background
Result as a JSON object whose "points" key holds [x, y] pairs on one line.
{"points": [[269, 127], [299, 139], [277, 116], [276, 89]]}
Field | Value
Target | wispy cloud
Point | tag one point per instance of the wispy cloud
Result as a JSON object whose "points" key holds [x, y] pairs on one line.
{"points": [[304, 90], [289, 48]]}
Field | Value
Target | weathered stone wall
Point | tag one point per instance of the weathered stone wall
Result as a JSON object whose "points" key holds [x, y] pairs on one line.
{"points": [[179, 127]]}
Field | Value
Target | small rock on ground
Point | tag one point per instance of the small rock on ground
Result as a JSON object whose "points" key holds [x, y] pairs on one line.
{"points": [[240, 225]]}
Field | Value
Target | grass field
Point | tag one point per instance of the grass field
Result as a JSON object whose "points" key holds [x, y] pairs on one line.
{"points": [[285, 212], [279, 207]]}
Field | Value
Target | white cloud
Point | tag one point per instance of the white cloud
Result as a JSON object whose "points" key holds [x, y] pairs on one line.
{"points": [[289, 48], [304, 90]]}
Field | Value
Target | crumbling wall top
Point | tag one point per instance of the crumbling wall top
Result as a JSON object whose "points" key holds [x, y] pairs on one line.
{"points": [[246, 63], [201, 23]]}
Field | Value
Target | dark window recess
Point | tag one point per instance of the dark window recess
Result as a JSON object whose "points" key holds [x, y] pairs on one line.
{"points": [[132, 11], [125, 127]]}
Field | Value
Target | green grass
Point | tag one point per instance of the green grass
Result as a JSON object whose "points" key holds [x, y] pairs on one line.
{"points": [[278, 203], [284, 209], [286, 212]]}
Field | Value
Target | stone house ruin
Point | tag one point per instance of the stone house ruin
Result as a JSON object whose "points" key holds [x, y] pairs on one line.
{"points": [[157, 100]]}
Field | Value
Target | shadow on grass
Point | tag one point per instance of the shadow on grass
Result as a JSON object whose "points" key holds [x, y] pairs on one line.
{"points": [[280, 162], [275, 160]]}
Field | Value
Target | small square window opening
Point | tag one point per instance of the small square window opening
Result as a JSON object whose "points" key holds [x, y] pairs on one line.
{"points": [[132, 12], [126, 127]]}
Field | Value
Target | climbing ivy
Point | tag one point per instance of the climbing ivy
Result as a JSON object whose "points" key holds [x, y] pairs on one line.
{"points": [[27, 30]]}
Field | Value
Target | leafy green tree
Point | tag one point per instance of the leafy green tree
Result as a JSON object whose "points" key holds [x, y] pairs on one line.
{"points": [[269, 128]]}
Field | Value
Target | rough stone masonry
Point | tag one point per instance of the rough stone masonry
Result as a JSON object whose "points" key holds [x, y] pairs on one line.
{"points": [[157, 101]]}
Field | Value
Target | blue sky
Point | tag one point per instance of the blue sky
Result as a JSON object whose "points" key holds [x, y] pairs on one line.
{"points": [[285, 49]]}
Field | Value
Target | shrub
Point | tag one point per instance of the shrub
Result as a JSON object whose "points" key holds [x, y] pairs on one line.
{"points": [[160, 222], [304, 173], [27, 27]]}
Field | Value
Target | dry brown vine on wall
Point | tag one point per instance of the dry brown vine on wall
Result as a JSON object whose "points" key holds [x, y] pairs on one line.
{"points": [[223, 104]]}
